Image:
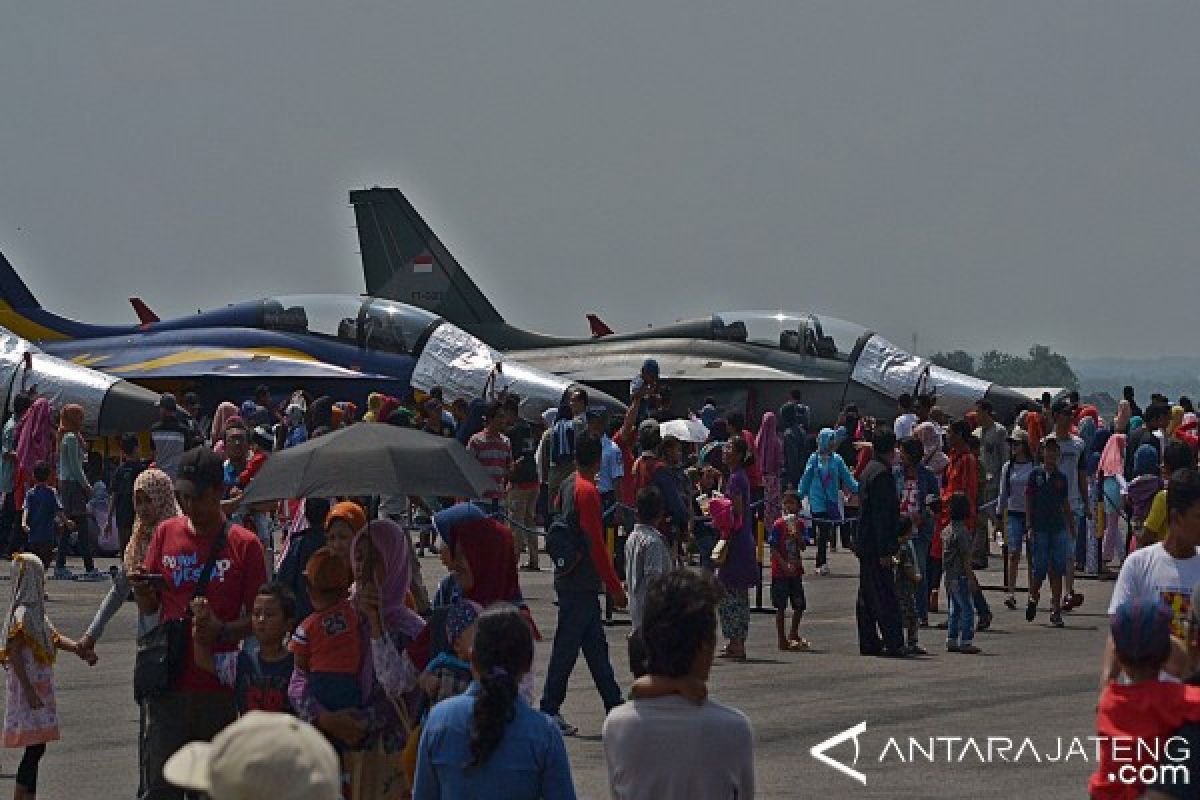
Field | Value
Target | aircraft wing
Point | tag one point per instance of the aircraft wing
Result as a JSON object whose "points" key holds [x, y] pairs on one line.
{"points": [[676, 367], [143, 362]]}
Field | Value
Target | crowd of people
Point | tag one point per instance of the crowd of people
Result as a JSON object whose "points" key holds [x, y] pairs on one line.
{"points": [[315, 610]]}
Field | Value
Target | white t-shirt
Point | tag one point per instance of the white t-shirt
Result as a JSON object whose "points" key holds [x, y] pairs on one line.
{"points": [[904, 426], [670, 747], [1151, 574]]}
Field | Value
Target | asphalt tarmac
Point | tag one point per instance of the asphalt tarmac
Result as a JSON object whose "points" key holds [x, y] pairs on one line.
{"points": [[1031, 681]]}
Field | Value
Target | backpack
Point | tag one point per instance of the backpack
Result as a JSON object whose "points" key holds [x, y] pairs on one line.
{"points": [[566, 544]]}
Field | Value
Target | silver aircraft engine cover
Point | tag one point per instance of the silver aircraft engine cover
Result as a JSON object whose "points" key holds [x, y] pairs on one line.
{"points": [[893, 371], [462, 364]]}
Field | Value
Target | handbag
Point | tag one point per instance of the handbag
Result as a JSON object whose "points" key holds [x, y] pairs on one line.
{"points": [[161, 650]]}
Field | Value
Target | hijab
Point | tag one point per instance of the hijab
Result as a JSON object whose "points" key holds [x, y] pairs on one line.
{"points": [[387, 407], [486, 544], [935, 460], [1175, 422], [1145, 461], [768, 449], [1135, 423], [70, 420], [160, 506], [221, 417], [1112, 460], [27, 610], [35, 436], [374, 403], [1087, 432], [388, 538]]}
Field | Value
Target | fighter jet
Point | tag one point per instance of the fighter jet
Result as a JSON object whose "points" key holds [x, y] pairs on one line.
{"points": [[110, 405], [747, 360], [341, 345]]}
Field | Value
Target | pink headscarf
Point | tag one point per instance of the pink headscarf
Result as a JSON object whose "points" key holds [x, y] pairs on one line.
{"points": [[392, 550], [768, 449], [935, 460], [225, 412], [35, 436], [1112, 459]]}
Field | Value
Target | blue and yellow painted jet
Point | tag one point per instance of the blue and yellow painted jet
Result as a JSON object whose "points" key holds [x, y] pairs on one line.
{"points": [[341, 345]]}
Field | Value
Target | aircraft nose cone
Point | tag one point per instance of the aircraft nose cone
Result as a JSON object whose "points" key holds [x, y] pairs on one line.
{"points": [[127, 408], [1006, 403]]}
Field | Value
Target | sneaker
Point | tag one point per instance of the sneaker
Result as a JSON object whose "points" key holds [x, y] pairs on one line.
{"points": [[564, 727], [823, 570], [1031, 609], [969, 649], [985, 622], [63, 574], [1010, 602], [1056, 619], [952, 647], [916, 650]]}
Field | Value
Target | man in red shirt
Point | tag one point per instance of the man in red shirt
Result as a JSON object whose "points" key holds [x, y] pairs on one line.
{"points": [[195, 707], [579, 621]]}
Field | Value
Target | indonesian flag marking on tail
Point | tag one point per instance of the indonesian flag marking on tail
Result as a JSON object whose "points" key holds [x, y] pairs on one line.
{"points": [[423, 263]]}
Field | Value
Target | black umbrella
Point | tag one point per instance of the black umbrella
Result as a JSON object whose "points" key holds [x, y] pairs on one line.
{"points": [[370, 459]]}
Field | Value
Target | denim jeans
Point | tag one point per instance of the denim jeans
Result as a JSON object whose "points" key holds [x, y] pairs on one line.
{"points": [[961, 627], [579, 628]]}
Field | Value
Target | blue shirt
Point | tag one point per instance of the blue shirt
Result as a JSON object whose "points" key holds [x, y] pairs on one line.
{"points": [[531, 761], [41, 506], [612, 466]]}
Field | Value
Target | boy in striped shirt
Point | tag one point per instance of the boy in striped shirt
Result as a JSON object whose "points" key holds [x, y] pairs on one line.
{"points": [[493, 451]]}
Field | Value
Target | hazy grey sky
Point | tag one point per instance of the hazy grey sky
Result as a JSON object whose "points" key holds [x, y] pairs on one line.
{"points": [[987, 174]]}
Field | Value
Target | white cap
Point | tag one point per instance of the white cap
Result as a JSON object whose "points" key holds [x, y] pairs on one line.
{"points": [[278, 753]]}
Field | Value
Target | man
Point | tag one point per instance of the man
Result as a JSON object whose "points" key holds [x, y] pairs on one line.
{"points": [[196, 706], [493, 451], [670, 747], [1072, 462], [9, 525], [523, 486], [191, 415], [120, 507], [170, 437], [963, 476], [645, 385], [263, 413], [1156, 417], [796, 447], [647, 554], [612, 465], [260, 750], [878, 609], [1165, 572], [579, 620], [1134, 408], [993, 452], [906, 420], [803, 412]]}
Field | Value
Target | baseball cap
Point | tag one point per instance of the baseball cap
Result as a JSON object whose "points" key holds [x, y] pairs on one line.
{"points": [[1141, 631], [166, 402], [261, 752], [327, 571], [199, 469]]}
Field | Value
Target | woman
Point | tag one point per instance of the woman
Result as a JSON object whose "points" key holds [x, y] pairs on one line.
{"points": [[377, 731], [74, 490], [342, 524], [1111, 477], [489, 742], [226, 412], [824, 476], [740, 571], [1010, 505], [768, 453], [35, 444]]}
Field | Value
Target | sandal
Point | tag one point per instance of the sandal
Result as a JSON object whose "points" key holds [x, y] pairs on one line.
{"points": [[799, 644]]}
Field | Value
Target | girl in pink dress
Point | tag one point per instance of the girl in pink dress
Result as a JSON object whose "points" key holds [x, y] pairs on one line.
{"points": [[30, 645]]}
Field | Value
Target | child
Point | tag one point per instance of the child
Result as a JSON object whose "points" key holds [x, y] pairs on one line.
{"points": [[708, 480], [449, 591], [957, 542], [44, 515], [30, 642], [1049, 517], [1142, 708], [328, 643], [259, 679], [449, 674], [787, 573], [908, 584]]}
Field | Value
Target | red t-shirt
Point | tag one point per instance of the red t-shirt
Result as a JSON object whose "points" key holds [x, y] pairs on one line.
{"points": [[1138, 716], [587, 504], [330, 639], [179, 554]]}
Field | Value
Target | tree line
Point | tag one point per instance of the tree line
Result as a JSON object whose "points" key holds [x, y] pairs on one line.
{"points": [[1042, 367]]}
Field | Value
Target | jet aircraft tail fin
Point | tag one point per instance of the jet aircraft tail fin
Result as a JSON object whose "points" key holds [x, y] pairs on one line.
{"points": [[404, 260], [599, 327], [21, 313]]}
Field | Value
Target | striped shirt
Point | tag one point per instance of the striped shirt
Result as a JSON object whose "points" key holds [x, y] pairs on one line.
{"points": [[494, 454]]}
